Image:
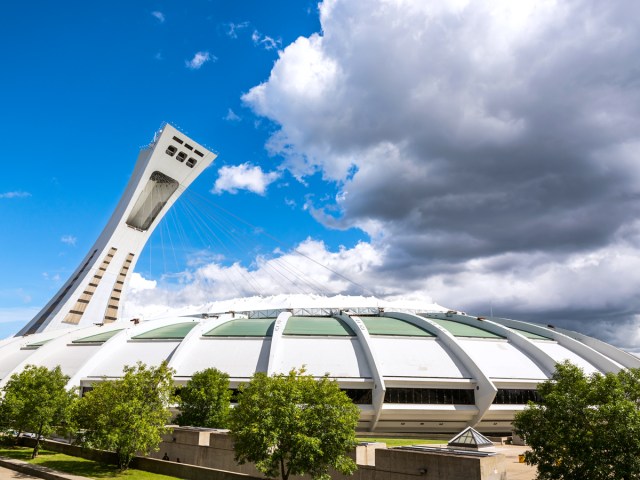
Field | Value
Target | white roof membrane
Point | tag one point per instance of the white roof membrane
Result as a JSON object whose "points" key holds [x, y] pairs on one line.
{"points": [[500, 359], [416, 357], [340, 357], [126, 354], [238, 357], [560, 354]]}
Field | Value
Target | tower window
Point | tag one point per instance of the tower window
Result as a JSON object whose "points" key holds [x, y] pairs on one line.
{"points": [[171, 150], [152, 199], [191, 162], [181, 157]]}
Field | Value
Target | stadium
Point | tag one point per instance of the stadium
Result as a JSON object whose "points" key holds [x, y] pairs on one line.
{"points": [[416, 370]]}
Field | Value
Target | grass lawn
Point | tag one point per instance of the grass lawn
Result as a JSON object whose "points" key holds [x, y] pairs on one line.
{"points": [[399, 442], [77, 465]]}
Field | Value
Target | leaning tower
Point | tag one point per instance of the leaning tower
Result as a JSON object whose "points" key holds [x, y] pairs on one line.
{"points": [[95, 290]]}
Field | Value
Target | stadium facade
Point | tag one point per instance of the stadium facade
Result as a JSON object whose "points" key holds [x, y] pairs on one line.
{"points": [[409, 370]]}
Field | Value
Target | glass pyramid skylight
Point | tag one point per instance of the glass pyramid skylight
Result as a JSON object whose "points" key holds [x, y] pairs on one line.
{"points": [[470, 438]]}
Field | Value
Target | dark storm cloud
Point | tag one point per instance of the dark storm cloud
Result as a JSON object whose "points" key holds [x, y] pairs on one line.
{"points": [[490, 140]]}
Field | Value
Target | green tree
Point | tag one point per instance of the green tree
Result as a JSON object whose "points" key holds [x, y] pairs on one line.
{"points": [[36, 400], [205, 400], [294, 425], [127, 415], [585, 427]]}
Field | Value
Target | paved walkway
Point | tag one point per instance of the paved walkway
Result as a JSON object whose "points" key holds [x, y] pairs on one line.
{"points": [[515, 469], [6, 474]]}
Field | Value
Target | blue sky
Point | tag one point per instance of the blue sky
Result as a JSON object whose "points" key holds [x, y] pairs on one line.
{"points": [[482, 155], [85, 86]]}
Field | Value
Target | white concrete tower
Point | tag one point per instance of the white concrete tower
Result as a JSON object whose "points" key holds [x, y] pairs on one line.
{"points": [[94, 292]]}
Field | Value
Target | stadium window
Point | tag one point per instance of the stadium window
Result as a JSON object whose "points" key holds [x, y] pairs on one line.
{"points": [[85, 390], [359, 396], [511, 396], [234, 395], [432, 396]]}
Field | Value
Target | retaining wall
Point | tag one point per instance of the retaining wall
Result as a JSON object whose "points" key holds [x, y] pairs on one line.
{"points": [[205, 454]]}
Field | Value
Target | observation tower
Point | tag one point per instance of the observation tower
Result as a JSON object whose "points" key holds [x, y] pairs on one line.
{"points": [[94, 292]]}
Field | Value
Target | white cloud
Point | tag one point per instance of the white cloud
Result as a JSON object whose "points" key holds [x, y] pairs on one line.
{"points": [[312, 269], [137, 283], [243, 177], [232, 29], [490, 146], [232, 116], [69, 240], [199, 59], [309, 270], [265, 41], [16, 194], [159, 16]]}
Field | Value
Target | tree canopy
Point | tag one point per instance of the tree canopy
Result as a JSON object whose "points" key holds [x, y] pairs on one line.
{"points": [[205, 400], [585, 427], [294, 425], [127, 415], [35, 400]]}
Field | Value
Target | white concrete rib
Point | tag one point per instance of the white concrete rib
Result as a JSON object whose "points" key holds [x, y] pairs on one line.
{"points": [[44, 350], [485, 389], [625, 359], [276, 341], [182, 351], [103, 352], [597, 359], [546, 363], [379, 388]]}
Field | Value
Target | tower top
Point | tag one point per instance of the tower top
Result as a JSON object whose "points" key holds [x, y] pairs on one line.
{"points": [[95, 290]]}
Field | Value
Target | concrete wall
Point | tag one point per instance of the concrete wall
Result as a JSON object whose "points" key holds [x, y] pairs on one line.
{"points": [[366, 452], [203, 447], [405, 465], [214, 449], [203, 454], [180, 470]]}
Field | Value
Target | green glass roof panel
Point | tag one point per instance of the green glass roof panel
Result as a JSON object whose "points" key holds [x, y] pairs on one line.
{"points": [[176, 331], [393, 326], [98, 338], [244, 327], [38, 344], [531, 336], [321, 326], [458, 329]]}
